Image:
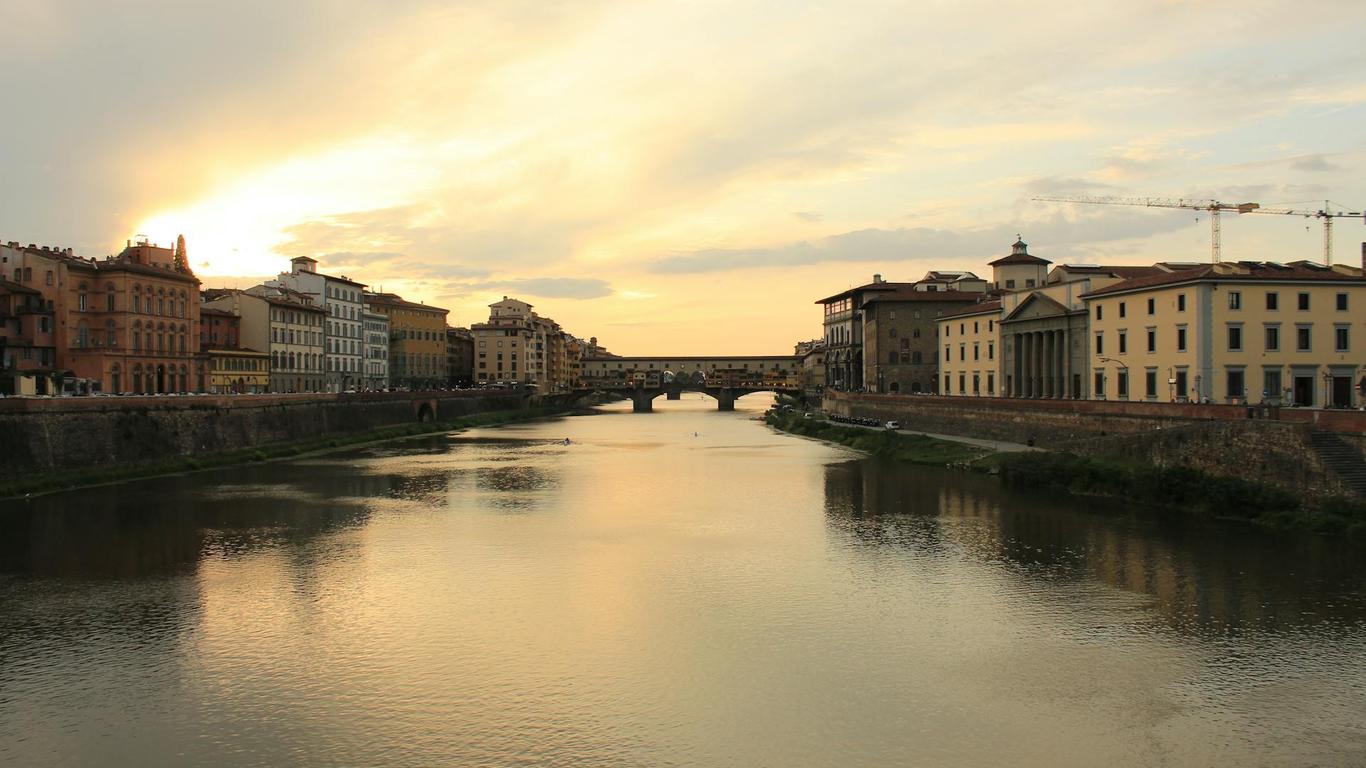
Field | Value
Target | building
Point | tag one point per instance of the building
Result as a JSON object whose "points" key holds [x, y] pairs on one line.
{"points": [[27, 351], [811, 355], [459, 357], [218, 328], [1231, 332], [951, 280], [417, 340], [376, 365], [286, 325], [125, 323], [343, 301], [900, 337], [843, 332], [1018, 271], [507, 346], [970, 363]]}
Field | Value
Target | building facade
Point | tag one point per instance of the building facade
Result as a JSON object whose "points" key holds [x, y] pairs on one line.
{"points": [[417, 341], [459, 357], [28, 353], [900, 338], [376, 366], [343, 301], [286, 325], [968, 351], [842, 328], [1232, 332]]}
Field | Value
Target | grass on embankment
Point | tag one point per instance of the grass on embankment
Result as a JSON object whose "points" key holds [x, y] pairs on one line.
{"points": [[1179, 488], [911, 449], [82, 478]]}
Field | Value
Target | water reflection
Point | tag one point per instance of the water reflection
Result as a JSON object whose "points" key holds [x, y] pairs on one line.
{"points": [[1202, 576]]}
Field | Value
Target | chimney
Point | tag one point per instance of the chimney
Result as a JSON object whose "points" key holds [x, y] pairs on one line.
{"points": [[877, 278]]}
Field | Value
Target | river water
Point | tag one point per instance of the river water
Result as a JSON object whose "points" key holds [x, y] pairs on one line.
{"points": [[681, 588]]}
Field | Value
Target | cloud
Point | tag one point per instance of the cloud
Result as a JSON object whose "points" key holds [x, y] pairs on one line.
{"points": [[549, 287], [1314, 164], [807, 216], [1064, 235]]}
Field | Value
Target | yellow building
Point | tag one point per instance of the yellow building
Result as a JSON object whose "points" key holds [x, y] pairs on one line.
{"points": [[417, 341], [969, 351], [1232, 332], [237, 371]]}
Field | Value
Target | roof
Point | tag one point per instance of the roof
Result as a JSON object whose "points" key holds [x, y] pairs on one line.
{"points": [[1234, 272], [975, 309], [1042, 298], [6, 285], [878, 286], [1126, 272], [650, 359], [913, 295], [394, 300], [1019, 254]]}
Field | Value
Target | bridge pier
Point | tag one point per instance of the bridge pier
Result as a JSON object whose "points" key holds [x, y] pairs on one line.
{"points": [[642, 401], [725, 400], [674, 394]]}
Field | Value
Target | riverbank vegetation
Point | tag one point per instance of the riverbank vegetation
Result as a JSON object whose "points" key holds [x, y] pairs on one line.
{"points": [[898, 446], [1181, 488], [67, 480]]}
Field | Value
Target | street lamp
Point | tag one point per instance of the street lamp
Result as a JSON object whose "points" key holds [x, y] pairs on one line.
{"points": [[1124, 369]]}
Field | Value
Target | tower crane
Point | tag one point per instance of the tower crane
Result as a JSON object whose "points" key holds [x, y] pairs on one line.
{"points": [[1327, 214], [1213, 207]]}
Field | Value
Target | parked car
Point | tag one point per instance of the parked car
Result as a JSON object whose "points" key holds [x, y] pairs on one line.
{"points": [[893, 425]]}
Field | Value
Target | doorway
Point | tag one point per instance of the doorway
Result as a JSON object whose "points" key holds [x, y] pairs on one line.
{"points": [[1304, 391], [1342, 391]]}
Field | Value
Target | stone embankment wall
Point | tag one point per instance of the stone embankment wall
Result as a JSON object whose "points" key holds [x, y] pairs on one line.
{"points": [[53, 435], [1218, 439]]}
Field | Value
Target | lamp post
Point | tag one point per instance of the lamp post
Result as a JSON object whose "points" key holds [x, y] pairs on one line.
{"points": [[1327, 389], [1124, 369]]}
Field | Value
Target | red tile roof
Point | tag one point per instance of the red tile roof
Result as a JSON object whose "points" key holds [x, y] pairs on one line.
{"points": [[913, 295], [976, 309], [1295, 271]]}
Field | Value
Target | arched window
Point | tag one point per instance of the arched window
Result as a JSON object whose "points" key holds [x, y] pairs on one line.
{"points": [[83, 335], [109, 296], [137, 298], [137, 335], [114, 378], [81, 298], [137, 378], [110, 337], [292, 362], [184, 379]]}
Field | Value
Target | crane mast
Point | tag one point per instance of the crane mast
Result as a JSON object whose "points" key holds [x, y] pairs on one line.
{"points": [[1326, 214], [1213, 207]]}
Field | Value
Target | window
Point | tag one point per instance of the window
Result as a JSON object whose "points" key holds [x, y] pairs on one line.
{"points": [[1181, 338], [1100, 313], [1272, 301], [947, 355], [1121, 309], [1235, 300], [1100, 343], [1342, 302], [1098, 386], [1151, 307], [1123, 342], [1235, 338], [1340, 338], [1122, 383], [962, 352], [1302, 338], [991, 383], [1029, 283], [1152, 339], [1180, 302], [1150, 383], [991, 352], [962, 384], [1273, 338], [1234, 384], [1010, 284], [1303, 301], [976, 352], [1271, 383], [891, 356]]}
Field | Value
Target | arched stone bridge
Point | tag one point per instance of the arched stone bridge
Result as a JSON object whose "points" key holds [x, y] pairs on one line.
{"points": [[724, 378]]}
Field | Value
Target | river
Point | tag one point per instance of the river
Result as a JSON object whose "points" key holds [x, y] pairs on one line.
{"points": [[682, 588]]}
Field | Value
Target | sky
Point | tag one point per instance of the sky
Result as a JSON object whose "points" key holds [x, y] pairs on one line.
{"points": [[674, 177]]}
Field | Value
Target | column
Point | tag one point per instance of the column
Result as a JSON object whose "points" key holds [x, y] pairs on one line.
{"points": [[1048, 352], [1026, 365], [1016, 365], [1038, 364], [1067, 364]]}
